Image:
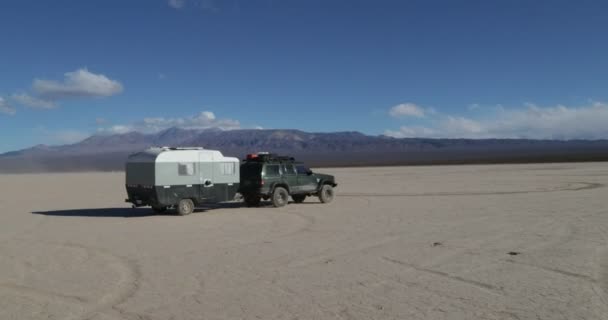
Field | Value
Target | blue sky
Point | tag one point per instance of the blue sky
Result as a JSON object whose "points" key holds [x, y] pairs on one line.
{"points": [[475, 69]]}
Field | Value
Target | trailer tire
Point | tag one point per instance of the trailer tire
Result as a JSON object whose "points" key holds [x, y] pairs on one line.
{"points": [[280, 197], [298, 198], [326, 194], [159, 209], [185, 207]]}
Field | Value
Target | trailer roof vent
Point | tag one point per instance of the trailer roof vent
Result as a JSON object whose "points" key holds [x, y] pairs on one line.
{"points": [[182, 148]]}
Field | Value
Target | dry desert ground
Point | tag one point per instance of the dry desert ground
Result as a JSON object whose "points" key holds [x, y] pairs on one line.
{"points": [[438, 242]]}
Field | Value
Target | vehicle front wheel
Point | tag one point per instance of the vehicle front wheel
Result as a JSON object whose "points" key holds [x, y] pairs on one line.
{"points": [[298, 198], [280, 197], [185, 207], [326, 194], [252, 201]]}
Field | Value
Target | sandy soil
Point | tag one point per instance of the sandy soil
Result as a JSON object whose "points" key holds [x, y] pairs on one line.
{"points": [[397, 243]]}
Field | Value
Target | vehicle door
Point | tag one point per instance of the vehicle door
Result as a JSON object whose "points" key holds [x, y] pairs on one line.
{"points": [[205, 165], [290, 177], [272, 174], [307, 181]]}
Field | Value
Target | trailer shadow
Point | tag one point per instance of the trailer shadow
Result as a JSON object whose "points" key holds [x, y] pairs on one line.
{"points": [[127, 212], [103, 212]]}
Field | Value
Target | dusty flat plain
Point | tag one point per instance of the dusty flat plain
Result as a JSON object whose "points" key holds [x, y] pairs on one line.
{"points": [[397, 243]]}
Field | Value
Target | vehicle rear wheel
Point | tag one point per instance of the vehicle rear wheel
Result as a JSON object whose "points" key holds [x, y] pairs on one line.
{"points": [[252, 201], [159, 209], [298, 198], [185, 207], [280, 197], [326, 194]]}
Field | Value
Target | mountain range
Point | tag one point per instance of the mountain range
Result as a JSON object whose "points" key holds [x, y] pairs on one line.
{"points": [[109, 152]]}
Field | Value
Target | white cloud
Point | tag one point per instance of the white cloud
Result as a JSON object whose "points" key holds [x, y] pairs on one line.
{"points": [[207, 115], [79, 83], [479, 107], [6, 108], [176, 4], [209, 5], [33, 102], [411, 132], [116, 129], [460, 124], [76, 84], [68, 136], [204, 5], [407, 110], [203, 120], [473, 106], [532, 122]]}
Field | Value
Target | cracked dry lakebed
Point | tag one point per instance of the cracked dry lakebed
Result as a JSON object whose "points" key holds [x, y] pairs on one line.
{"points": [[428, 242]]}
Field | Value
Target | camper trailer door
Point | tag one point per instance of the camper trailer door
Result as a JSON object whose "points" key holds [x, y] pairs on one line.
{"points": [[206, 176]]}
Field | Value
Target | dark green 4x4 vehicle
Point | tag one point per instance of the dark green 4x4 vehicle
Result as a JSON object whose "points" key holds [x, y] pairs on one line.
{"points": [[267, 176]]}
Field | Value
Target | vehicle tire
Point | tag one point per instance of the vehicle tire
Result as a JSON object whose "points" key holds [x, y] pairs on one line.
{"points": [[185, 207], [298, 198], [252, 201], [280, 197], [326, 194], [159, 209]]}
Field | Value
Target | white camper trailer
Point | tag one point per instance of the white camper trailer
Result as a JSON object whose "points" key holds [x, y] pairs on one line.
{"points": [[180, 178]]}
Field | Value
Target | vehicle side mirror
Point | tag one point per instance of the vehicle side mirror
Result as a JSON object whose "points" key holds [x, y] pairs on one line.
{"points": [[309, 172], [208, 183]]}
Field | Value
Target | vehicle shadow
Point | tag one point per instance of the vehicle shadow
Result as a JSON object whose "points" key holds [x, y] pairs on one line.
{"points": [[268, 204], [126, 212], [223, 205]]}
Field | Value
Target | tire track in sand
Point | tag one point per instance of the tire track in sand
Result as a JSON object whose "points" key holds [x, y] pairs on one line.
{"points": [[128, 282], [125, 286], [478, 284], [573, 186], [28, 292]]}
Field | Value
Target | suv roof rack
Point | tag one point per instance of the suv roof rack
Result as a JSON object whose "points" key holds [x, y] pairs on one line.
{"points": [[267, 157]]}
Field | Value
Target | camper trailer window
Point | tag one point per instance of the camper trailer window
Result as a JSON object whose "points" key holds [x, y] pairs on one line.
{"points": [[228, 168], [185, 169]]}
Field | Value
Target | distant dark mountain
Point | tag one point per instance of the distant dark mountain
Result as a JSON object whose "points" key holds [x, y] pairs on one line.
{"points": [[108, 152]]}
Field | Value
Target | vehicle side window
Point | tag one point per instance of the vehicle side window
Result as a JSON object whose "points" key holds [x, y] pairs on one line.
{"points": [[273, 170], [185, 169], [290, 169], [303, 170]]}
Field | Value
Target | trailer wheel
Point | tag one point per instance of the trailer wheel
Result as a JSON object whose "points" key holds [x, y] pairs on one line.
{"points": [[252, 201], [298, 198], [159, 209], [280, 197], [185, 207], [326, 194]]}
